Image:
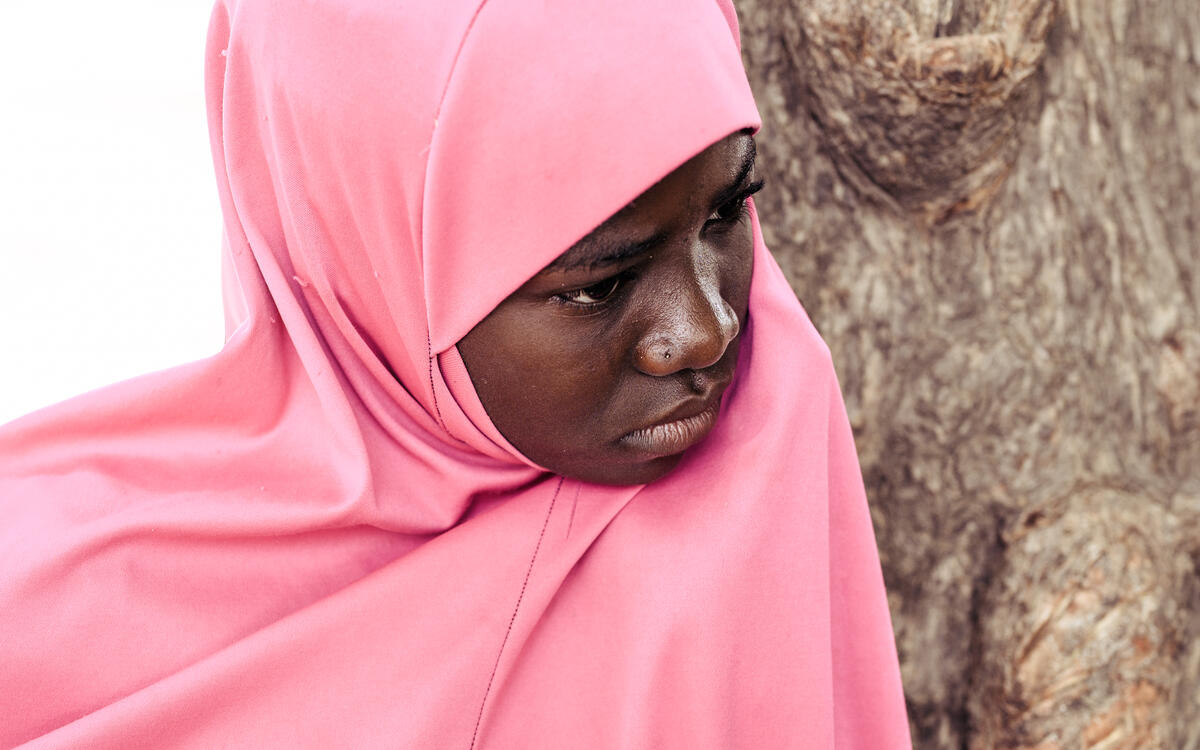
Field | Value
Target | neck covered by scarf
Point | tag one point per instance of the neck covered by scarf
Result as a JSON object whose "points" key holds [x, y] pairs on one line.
{"points": [[317, 538]]}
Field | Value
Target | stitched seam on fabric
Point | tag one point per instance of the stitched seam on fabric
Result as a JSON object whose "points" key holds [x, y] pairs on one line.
{"points": [[437, 114], [432, 390], [454, 65], [574, 505], [516, 608]]}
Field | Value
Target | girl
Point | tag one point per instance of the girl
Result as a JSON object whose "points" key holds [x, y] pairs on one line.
{"points": [[519, 439]]}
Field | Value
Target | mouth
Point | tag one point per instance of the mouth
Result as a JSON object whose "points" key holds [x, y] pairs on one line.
{"points": [[680, 431]]}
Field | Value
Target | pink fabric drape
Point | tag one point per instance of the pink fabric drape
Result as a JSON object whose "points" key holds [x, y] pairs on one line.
{"points": [[316, 537]]}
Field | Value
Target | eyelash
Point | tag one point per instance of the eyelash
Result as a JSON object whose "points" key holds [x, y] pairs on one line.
{"points": [[609, 286], [739, 204]]}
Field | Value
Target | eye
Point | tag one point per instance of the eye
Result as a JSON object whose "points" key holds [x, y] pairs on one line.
{"points": [[594, 294], [734, 210]]}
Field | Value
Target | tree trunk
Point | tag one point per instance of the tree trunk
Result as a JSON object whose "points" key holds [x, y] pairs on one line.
{"points": [[988, 208]]}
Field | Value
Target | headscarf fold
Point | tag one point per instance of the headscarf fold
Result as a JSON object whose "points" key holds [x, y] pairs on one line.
{"points": [[317, 538]]}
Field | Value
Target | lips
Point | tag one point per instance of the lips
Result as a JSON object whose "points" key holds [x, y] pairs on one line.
{"points": [[679, 431]]}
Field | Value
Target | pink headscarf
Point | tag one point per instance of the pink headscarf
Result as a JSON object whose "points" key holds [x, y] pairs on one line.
{"points": [[316, 538]]}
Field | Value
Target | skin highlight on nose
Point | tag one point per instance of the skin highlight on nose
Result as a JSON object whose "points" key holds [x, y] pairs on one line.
{"points": [[692, 334]]}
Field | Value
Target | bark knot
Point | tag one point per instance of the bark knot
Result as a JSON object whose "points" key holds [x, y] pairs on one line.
{"points": [[924, 99]]}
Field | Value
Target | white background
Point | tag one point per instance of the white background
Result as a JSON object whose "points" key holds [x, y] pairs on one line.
{"points": [[109, 218]]}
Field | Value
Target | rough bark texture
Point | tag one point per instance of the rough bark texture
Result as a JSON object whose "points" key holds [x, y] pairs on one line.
{"points": [[988, 207]]}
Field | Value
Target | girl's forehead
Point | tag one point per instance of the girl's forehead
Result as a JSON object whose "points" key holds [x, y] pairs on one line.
{"points": [[646, 220]]}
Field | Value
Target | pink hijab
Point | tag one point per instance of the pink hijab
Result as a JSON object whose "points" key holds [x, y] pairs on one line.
{"points": [[316, 538]]}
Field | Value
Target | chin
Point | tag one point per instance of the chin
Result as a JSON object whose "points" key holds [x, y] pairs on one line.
{"points": [[625, 474]]}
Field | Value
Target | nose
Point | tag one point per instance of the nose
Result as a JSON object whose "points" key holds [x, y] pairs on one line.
{"points": [[691, 325]]}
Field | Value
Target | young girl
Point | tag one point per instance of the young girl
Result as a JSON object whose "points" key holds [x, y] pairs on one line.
{"points": [[519, 439]]}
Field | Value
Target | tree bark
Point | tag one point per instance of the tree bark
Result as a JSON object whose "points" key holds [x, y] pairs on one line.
{"points": [[989, 209]]}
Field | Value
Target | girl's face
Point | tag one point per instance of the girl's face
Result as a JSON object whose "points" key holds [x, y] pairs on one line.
{"points": [[612, 360]]}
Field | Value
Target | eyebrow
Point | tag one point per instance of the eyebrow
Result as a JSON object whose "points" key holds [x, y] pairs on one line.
{"points": [[597, 252]]}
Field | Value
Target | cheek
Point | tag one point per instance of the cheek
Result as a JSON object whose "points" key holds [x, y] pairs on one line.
{"points": [[563, 363], [544, 378]]}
